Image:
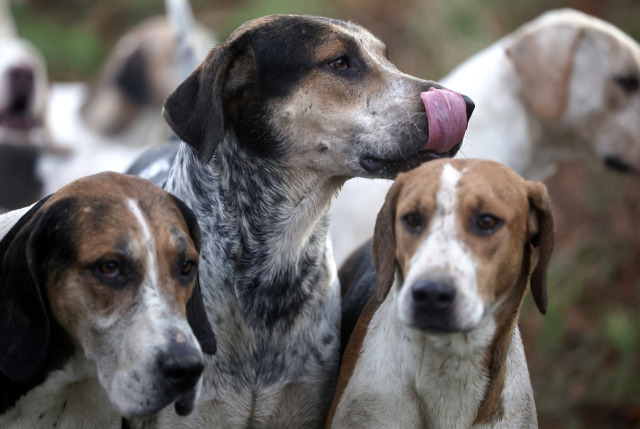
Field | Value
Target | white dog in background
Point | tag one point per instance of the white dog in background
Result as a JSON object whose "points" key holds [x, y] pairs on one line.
{"points": [[564, 85], [23, 93]]}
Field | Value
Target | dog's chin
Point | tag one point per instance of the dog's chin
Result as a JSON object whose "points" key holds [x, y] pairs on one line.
{"points": [[437, 327], [388, 168], [137, 407], [435, 324], [186, 402]]}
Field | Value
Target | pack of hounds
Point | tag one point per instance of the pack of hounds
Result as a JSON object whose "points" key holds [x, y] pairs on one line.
{"points": [[221, 283]]}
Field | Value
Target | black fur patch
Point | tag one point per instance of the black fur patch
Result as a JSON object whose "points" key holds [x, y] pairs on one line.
{"points": [[51, 347]]}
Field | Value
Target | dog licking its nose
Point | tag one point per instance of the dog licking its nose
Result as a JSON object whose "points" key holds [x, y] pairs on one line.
{"points": [[447, 113]]}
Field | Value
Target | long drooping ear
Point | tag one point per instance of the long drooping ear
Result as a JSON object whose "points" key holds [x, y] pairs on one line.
{"points": [[196, 110], [540, 234], [384, 243], [543, 59], [196, 313], [24, 322]]}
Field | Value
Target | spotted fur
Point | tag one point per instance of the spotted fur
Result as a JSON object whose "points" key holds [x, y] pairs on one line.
{"points": [[273, 130]]}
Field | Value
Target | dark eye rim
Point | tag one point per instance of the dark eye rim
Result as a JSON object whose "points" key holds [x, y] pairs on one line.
{"points": [[344, 59], [118, 278], [112, 272], [191, 264], [630, 83], [486, 231], [413, 227]]}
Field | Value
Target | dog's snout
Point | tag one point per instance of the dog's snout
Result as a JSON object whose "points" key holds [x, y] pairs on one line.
{"points": [[21, 76], [470, 106], [21, 84], [182, 363], [433, 295]]}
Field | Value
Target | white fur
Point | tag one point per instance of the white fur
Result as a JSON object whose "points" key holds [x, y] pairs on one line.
{"points": [[71, 397], [438, 376], [9, 219]]}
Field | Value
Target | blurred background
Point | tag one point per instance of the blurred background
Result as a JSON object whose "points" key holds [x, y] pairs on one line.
{"points": [[584, 354]]}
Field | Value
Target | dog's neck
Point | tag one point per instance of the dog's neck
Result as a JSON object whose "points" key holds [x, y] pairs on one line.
{"points": [[264, 227], [67, 398], [467, 369]]}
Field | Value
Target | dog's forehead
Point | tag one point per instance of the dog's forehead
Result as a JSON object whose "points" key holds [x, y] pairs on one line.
{"points": [[103, 204], [470, 181], [305, 27]]}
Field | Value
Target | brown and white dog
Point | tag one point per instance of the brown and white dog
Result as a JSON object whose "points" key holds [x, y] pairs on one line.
{"points": [[455, 246], [101, 315], [143, 69]]}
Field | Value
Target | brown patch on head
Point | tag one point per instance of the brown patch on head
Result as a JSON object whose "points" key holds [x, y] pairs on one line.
{"points": [[108, 248], [416, 200], [490, 192]]}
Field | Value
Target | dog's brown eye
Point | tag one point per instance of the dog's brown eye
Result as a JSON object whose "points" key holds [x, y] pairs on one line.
{"points": [[340, 64], [487, 224], [186, 267], [109, 269], [413, 221]]}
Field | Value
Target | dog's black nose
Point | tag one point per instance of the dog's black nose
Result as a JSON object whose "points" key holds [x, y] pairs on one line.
{"points": [[433, 296], [470, 106], [182, 364]]}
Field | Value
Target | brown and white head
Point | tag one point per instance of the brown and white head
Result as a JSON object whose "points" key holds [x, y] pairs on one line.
{"points": [[462, 239], [106, 270]]}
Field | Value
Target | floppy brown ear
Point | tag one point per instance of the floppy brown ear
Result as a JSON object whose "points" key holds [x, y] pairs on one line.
{"points": [[24, 321], [543, 59], [384, 243], [196, 313], [196, 110], [541, 233]]}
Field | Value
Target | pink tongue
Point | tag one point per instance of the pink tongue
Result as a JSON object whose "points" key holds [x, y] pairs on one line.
{"points": [[447, 116]]}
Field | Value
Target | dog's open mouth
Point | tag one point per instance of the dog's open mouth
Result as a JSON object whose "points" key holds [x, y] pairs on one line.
{"points": [[447, 116]]}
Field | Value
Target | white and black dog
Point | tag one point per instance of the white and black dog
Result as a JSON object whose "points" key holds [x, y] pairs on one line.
{"points": [[275, 120]]}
